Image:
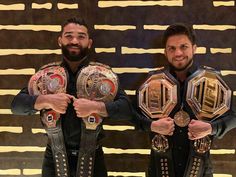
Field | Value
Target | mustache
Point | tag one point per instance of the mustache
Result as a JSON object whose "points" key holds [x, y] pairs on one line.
{"points": [[74, 45]]}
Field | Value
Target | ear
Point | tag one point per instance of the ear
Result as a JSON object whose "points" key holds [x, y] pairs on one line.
{"points": [[194, 48], [90, 43], [59, 41]]}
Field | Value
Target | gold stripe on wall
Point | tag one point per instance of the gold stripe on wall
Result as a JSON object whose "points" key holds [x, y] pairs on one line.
{"points": [[222, 175], [32, 171], [38, 130], [201, 50], [222, 151], [42, 6], [223, 3], [105, 4], [67, 6], [12, 7], [130, 92], [27, 71], [10, 171], [128, 50], [214, 27], [227, 72], [9, 91], [105, 50], [114, 27], [5, 111], [155, 27], [136, 174], [28, 51], [234, 93], [11, 129], [221, 50], [53, 28], [126, 151], [21, 149], [132, 70]]}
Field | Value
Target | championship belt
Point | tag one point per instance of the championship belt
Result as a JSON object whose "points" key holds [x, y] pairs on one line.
{"points": [[99, 83], [209, 97], [52, 79], [157, 97]]}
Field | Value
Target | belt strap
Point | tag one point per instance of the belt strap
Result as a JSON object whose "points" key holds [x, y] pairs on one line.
{"points": [[164, 163], [86, 158], [56, 138], [195, 164]]}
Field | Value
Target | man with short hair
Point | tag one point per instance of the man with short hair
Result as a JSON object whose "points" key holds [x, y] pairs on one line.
{"points": [[75, 43], [180, 46]]}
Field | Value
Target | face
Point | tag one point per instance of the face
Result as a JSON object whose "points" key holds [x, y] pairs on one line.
{"points": [[75, 42], [179, 51]]}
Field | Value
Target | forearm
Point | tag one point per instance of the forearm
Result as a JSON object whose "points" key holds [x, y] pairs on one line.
{"points": [[101, 109], [41, 102]]}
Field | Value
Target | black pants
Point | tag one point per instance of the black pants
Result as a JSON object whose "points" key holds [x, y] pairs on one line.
{"points": [[48, 169]]}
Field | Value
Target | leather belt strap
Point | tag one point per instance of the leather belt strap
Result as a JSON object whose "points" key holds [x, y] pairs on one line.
{"points": [[164, 163], [56, 138], [195, 164], [88, 146]]}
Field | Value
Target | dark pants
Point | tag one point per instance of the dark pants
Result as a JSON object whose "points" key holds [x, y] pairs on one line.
{"points": [[48, 169]]}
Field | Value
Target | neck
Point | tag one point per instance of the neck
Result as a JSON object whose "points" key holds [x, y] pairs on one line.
{"points": [[181, 75], [74, 64]]}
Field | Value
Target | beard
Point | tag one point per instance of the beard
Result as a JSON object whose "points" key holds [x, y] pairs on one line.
{"points": [[74, 56], [184, 67]]}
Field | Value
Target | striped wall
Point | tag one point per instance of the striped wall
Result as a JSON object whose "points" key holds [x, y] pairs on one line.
{"points": [[127, 36]]}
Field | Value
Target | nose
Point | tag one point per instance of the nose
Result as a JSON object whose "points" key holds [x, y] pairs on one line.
{"points": [[74, 40], [178, 52]]}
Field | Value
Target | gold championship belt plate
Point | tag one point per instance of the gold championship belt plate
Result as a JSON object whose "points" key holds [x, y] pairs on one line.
{"points": [[50, 79], [209, 97], [99, 83], [157, 97]]}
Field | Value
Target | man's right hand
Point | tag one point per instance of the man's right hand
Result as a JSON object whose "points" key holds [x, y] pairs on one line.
{"points": [[163, 126], [57, 102]]}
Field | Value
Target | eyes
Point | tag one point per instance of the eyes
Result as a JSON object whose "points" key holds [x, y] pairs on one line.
{"points": [[182, 47], [79, 37]]}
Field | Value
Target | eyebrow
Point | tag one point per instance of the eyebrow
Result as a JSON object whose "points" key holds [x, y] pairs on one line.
{"points": [[175, 46], [69, 32]]}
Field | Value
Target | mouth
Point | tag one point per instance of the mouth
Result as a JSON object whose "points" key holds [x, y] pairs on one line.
{"points": [[179, 59]]}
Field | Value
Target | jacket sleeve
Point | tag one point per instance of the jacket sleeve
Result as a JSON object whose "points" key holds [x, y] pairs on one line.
{"points": [[223, 124], [23, 103], [120, 108]]}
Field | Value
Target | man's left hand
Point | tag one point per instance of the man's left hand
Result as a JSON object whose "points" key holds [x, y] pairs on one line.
{"points": [[198, 129]]}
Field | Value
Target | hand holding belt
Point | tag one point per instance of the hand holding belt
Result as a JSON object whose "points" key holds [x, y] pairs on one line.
{"points": [[209, 97], [157, 97], [95, 82], [52, 79]]}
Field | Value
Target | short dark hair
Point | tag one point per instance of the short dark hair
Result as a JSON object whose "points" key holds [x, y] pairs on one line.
{"points": [[75, 20], [179, 28]]}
